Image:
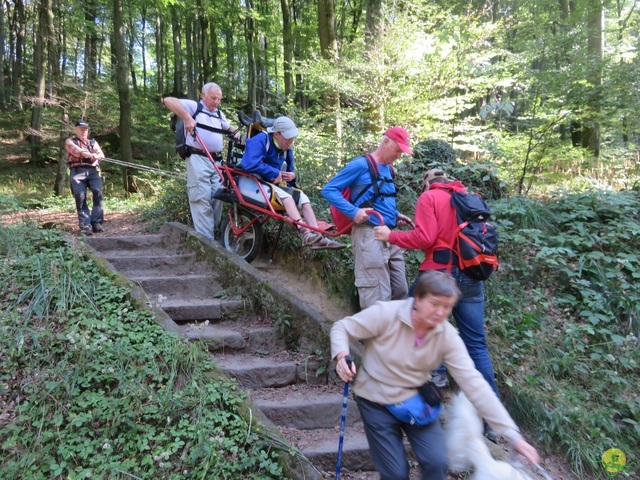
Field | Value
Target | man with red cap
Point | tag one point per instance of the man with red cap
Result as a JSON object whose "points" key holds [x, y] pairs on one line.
{"points": [[379, 267]]}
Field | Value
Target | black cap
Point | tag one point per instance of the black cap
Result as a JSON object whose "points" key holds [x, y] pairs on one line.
{"points": [[82, 123]]}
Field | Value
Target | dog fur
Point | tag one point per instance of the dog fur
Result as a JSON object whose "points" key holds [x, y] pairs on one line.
{"points": [[467, 448]]}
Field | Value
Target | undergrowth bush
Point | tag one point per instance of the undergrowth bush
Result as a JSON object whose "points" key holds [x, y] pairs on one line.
{"points": [[565, 312], [93, 387]]}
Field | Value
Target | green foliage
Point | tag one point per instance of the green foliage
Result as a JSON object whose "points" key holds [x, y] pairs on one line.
{"points": [[564, 310], [98, 389]]}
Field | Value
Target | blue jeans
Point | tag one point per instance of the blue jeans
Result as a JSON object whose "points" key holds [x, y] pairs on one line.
{"points": [[82, 178], [469, 316], [384, 434]]}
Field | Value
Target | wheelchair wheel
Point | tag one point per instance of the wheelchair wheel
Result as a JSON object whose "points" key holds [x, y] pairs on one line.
{"points": [[248, 244]]}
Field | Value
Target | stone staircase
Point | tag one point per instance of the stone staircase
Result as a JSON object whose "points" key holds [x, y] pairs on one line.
{"points": [[201, 291]]}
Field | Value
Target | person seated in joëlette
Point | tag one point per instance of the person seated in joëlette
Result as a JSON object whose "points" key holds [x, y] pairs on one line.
{"points": [[264, 156]]}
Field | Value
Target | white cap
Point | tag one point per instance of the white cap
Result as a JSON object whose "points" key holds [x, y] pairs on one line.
{"points": [[285, 126]]}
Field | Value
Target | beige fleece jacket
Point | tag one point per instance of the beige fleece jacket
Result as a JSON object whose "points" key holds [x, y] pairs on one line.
{"points": [[393, 367]]}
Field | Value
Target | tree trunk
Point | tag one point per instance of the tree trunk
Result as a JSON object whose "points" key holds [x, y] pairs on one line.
{"points": [[90, 41], [288, 44], [62, 178], [45, 30], [595, 50], [249, 35], [3, 106], [122, 83], [231, 87], [189, 60], [329, 51], [132, 45], [178, 86], [373, 23], [159, 54], [18, 59], [143, 47], [205, 50]]}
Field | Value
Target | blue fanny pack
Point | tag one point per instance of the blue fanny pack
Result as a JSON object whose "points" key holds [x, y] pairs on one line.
{"points": [[415, 411]]}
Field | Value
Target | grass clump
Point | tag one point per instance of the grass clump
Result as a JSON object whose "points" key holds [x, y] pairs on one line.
{"points": [[93, 387]]}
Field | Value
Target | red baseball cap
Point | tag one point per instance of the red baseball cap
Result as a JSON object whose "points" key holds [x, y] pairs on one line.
{"points": [[401, 137]]}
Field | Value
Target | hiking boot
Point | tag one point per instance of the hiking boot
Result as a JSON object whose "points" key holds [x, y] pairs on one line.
{"points": [[327, 244], [310, 238], [97, 228], [86, 229], [490, 433], [439, 379]]}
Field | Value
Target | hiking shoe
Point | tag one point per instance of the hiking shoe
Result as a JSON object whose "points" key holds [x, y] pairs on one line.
{"points": [[439, 379], [490, 433], [327, 244], [86, 229], [310, 238], [97, 228]]}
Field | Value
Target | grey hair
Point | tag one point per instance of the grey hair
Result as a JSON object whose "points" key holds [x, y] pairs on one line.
{"points": [[439, 284], [209, 86]]}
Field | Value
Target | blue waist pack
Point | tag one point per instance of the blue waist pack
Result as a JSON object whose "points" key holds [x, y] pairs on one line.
{"points": [[415, 411]]}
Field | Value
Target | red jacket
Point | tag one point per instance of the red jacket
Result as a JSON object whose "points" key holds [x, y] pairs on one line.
{"points": [[435, 221]]}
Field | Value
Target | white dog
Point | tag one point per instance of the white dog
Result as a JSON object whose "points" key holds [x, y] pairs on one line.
{"points": [[467, 447]]}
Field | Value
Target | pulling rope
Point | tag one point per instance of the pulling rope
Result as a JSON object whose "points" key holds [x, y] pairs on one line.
{"points": [[145, 168]]}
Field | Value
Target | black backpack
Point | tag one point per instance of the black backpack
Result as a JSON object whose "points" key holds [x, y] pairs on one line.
{"points": [[476, 239], [475, 242], [176, 125]]}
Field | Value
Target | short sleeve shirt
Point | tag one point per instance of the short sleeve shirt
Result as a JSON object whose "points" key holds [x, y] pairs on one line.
{"points": [[216, 119]]}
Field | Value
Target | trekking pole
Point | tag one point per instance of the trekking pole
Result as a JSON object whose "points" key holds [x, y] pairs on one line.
{"points": [[343, 419]]}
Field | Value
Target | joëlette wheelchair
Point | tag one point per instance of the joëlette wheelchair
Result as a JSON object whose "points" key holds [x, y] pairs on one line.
{"points": [[253, 201]]}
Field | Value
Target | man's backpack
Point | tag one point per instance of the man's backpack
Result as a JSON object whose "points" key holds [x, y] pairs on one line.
{"points": [[475, 240], [340, 220], [176, 125]]}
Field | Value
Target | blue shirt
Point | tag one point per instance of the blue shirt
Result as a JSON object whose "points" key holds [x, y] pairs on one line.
{"points": [[262, 157], [356, 175]]}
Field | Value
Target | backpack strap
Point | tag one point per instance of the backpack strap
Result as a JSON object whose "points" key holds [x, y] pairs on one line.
{"points": [[375, 179], [200, 110]]}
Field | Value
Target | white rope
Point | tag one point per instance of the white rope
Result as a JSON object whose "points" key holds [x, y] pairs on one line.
{"points": [[144, 167]]}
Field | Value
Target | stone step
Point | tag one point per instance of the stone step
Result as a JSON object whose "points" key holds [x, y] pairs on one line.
{"points": [[252, 371], [320, 446], [155, 265], [212, 309], [215, 337], [178, 286], [131, 245], [305, 407]]}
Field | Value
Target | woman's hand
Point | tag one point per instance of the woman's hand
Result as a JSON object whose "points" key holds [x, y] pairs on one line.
{"points": [[342, 369], [527, 451], [381, 233]]}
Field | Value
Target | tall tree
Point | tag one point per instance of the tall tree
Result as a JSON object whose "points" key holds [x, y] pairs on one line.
{"points": [[160, 57], [2, 46], [288, 48], [252, 71], [329, 51], [122, 82], [178, 72], [595, 51], [20, 30], [45, 32], [91, 41]]}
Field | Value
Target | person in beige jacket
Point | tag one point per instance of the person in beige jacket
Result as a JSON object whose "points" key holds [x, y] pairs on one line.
{"points": [[404, 340]]}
